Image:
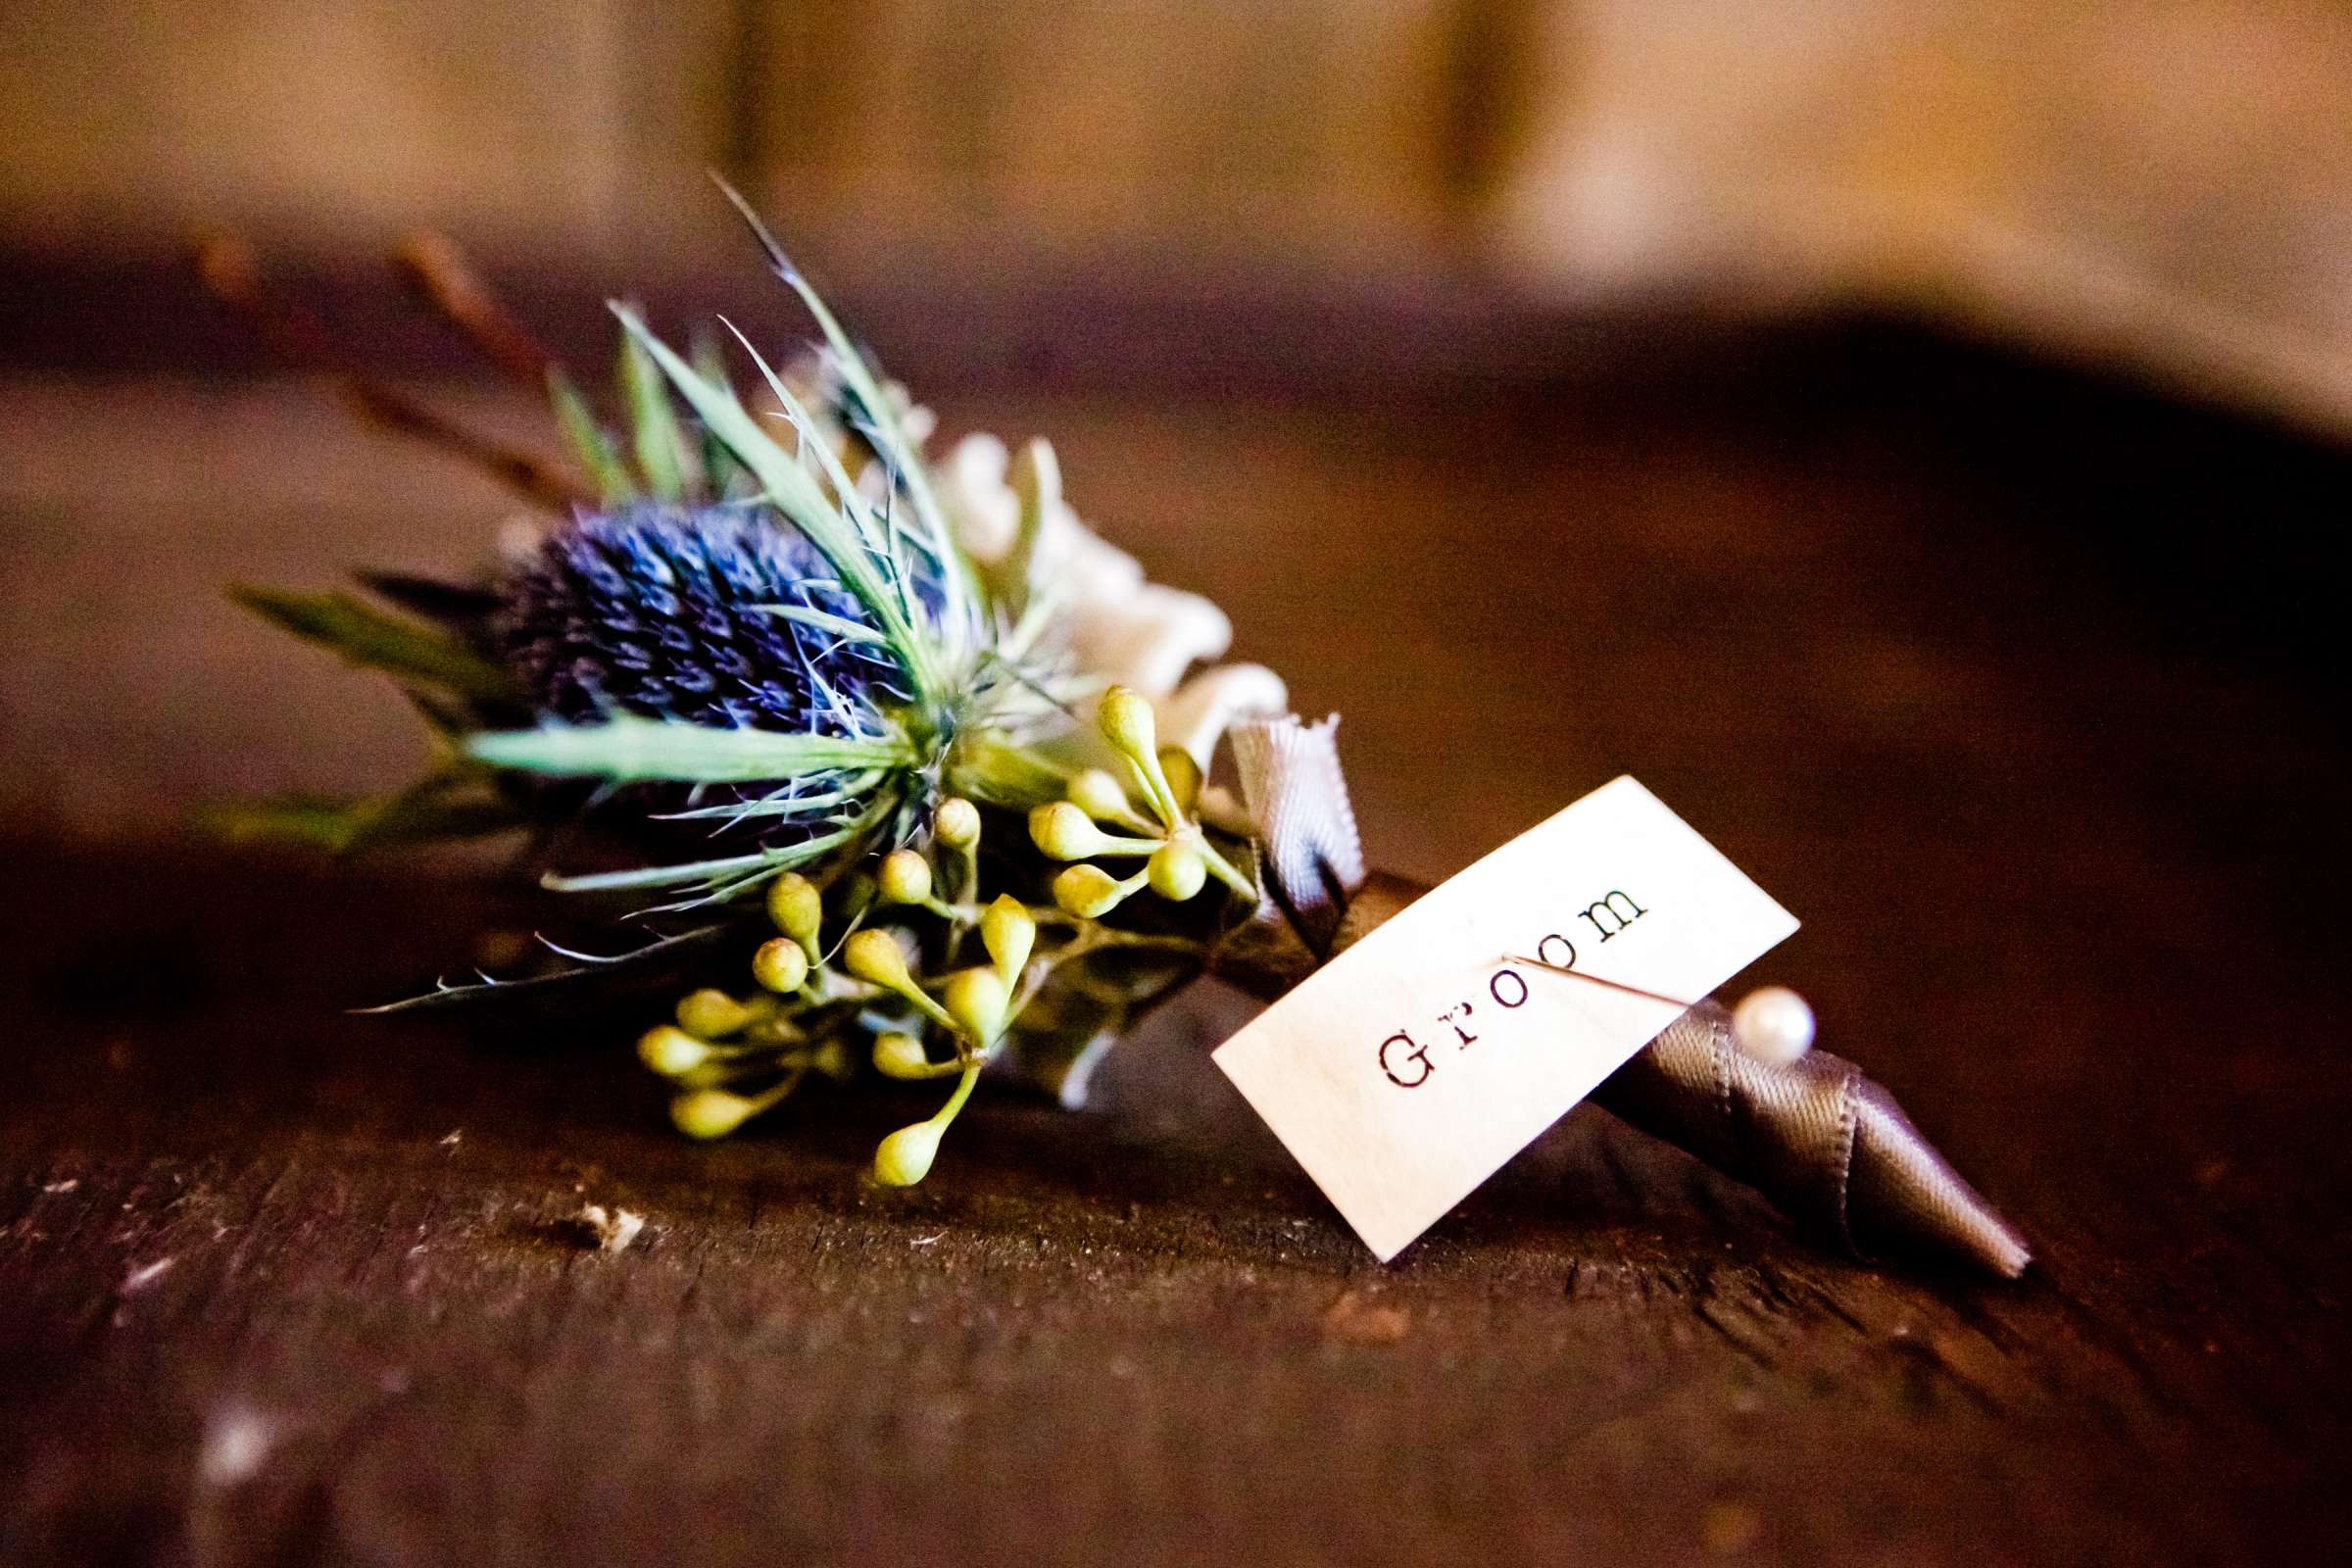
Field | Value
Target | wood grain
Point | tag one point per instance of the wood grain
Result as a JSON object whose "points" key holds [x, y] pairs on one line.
{"points": [[2009, 685]]}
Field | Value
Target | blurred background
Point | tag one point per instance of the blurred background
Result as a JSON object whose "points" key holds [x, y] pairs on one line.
{"points": [[2163, 184]]}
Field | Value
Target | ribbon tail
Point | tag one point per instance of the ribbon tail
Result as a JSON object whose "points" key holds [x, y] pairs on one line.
{"points": [[1830, 1147]]}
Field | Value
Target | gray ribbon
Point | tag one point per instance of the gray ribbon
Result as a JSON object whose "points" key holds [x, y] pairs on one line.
{"points": [[1831, 1149]]}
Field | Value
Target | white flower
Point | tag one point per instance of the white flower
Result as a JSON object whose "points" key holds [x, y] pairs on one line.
{"points": [[1116, 626]]}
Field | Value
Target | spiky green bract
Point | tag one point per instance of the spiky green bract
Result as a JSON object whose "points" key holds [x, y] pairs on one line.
{"points": [[880, 423], [370, 639], [630, 749], [589, 442], [432, 811], [661, 445]]}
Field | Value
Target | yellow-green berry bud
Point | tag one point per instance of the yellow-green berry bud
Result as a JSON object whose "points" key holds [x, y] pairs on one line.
{"points": [[1183, 775], [711, 1013], [670, 1050], [1088, 891], [900, 1055], [1125, 715], [976, 999], [905, 877], [1177, 871], [1063, 832], [780, 965], [905, 1156], [1101, 795], [873, 955], [796, 906], [957, 823], [1009, 931], [833, 1060], [712, 1112]]}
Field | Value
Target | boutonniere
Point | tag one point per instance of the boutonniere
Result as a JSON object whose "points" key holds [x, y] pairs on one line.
{"points": [[914, 770]]}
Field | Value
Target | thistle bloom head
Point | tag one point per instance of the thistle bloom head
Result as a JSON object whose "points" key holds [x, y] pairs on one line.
{"points": [[665, 612]]}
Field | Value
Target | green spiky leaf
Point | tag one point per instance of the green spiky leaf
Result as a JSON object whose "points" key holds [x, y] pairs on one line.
{"points": [[720, 471], [422, 815], [370, 639], [659, 444], [588, 441], [626, 750]]}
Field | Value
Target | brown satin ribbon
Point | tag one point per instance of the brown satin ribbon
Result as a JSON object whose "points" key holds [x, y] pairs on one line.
{"points": [[1830, 1147]]}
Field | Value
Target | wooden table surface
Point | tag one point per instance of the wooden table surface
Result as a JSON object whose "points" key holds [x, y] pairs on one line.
{"points": [[2012, 685]]}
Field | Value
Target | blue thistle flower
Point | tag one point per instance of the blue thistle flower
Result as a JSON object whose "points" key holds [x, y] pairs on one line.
{"points": [[665, 612]]}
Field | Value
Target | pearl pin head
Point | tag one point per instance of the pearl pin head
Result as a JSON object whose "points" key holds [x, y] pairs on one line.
{"points": [[1773, 1024]]}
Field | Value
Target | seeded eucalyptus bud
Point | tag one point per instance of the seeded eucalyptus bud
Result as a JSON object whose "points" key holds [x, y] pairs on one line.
{"points": [[1088, 892], [1009, 931], [901, 1055], [976, 999], [797, 910], [905, 877], [1102, 797], [1177, 871], [1183, 775], [873, 955], [1127, 722], [833, 1060], [957, 823], [712, 1015], [670, 1050], [780, 965], [905, 1156], [713, 1112], [1063, 832]]}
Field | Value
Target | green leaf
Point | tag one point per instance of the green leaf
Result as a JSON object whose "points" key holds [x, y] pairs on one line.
{"points": [[626, 748], [418, 815], [898, 451], [589, 442], [719, 468], [370, 639], [660, 444]]}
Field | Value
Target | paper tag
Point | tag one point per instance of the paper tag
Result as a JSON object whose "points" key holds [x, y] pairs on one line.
{"points": [[1407, 1071]]}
